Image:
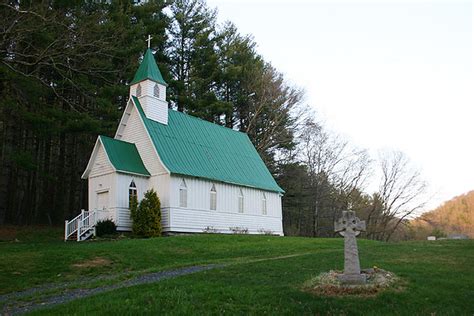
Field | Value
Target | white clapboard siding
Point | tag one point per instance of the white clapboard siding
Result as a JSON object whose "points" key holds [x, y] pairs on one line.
{"points": [[101, 164], [197, 215], [148, 89], [106, 183], [134, 132], [156, 108], [198, 221], [161, 184]]}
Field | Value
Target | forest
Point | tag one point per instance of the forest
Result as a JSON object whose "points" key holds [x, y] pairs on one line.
{"points": [[64, 75], [455, 216]]}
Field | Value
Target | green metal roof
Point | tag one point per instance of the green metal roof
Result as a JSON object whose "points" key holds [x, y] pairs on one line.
{"points": [[124, 156], [148, 70], [194, 147]]}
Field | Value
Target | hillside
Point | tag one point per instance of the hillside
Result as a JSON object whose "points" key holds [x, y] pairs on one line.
{"points": [[231, 274], [455, 216]]}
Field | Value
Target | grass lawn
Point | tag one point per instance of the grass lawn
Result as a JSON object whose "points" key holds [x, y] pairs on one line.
{"points": [[261, 277]]}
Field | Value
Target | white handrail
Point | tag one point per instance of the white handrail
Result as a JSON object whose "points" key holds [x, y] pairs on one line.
{"points": [[72, 226], [83, 223]]}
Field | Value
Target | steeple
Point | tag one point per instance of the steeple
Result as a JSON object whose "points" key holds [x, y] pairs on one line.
{"points": [[148, 70], [149, 87]]}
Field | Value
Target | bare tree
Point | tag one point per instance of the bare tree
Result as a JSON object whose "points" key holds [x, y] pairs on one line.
{"points": [[336, 170], [400, 196]]}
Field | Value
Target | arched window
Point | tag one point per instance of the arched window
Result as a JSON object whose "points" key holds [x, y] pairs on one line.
{"points": [[183, 194], [132, 193], [264, 204], [139, 90], [213, 197], [241, 201], [156, 90]]}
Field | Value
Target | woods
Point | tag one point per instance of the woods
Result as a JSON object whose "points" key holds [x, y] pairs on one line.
{"points": [[64, 75]]}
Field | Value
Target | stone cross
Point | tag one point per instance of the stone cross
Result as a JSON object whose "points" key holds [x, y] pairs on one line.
{"points": [[350, 226], [149, 40]]}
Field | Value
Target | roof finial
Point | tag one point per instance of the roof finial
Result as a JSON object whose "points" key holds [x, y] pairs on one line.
{"points": [[149, 40]]}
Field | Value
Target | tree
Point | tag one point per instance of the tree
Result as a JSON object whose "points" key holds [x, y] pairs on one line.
{"points": [[191, 52], [147, 216], [336, 171], [63, 73], [400, 196]]}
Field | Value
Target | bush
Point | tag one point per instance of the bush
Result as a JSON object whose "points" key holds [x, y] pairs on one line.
{"points": [[105, 227], [146, 216]]}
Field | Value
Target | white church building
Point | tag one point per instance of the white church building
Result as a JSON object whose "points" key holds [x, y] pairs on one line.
{"points": [[209, 178]]}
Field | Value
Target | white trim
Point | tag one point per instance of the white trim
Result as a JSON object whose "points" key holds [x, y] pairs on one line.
{"points": [[133, 173], [149, 137], [101, 175], [123, 120], [102, 190]]}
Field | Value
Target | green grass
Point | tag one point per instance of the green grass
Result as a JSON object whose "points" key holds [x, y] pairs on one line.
{"points": [[438, 277]]}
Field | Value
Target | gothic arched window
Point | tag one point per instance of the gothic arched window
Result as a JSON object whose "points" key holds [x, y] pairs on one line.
{"points": [[132, 193], [264, 204], [139, 90], [241, 201], [213, 197], [156, 91], [183, 194]]}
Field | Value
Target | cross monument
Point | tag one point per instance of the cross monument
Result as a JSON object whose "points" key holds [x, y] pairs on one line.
{"points": [[350, 226]]}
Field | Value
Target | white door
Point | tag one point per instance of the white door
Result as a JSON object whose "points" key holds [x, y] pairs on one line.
{"points": [[103, 200]]}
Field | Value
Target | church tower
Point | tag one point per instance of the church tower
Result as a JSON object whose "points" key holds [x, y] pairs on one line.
{"points": [[150, 89]]}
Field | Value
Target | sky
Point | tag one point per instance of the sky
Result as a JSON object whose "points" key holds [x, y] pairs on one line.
{"points": [[386, 75]]}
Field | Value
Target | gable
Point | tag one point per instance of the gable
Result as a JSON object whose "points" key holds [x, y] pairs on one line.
{"points": [[111, 155], [124, 156], [194, 147], [101, 164], [132, 129]]}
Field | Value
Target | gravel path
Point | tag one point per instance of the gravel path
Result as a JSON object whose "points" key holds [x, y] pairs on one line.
{"points": [[15, 307]]}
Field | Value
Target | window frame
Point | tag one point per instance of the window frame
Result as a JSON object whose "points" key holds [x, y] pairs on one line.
{"points": [[241, 200], [213, 198], [139, 90], [183, 194], [132, 192], [264, 204]]}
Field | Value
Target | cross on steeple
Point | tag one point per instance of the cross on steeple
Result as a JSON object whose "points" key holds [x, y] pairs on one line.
{"points": [[149, 40]]}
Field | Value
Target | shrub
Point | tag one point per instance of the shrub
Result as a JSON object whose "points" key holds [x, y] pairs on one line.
{"points": [[146, 216], [239, 230], [210, 230], [105, 227]]}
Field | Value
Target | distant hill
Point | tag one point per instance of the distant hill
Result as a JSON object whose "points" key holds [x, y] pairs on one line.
{"points": [[455, 216]]}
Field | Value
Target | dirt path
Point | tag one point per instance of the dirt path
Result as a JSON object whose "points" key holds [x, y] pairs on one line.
{"points": [[15, 305], [46, 296]]}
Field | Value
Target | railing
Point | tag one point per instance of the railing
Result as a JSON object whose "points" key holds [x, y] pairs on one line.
{"points": [[83, 223]]}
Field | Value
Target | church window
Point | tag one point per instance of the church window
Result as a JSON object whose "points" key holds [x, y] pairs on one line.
{"points": [[264, 204], [156, 91], [132, 193], [183, 194], [241, 201], [139, 90], [213, 197]]}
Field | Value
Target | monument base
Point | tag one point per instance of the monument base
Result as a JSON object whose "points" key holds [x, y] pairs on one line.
{"points": [[352, 279]]}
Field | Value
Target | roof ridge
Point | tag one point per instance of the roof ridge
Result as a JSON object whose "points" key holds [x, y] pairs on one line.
{"points": [[206, 121]]}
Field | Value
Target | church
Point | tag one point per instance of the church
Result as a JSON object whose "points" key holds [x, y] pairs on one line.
{"points": [[209, 178]]}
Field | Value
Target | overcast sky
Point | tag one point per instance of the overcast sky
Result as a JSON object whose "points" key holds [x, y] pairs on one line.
{"points": [[384, 74]]}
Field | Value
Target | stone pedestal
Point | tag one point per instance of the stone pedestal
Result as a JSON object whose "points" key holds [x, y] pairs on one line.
{"points": [[352, 279]]}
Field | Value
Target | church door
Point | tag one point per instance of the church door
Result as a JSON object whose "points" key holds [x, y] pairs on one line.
{"points": [[103, 200]]}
